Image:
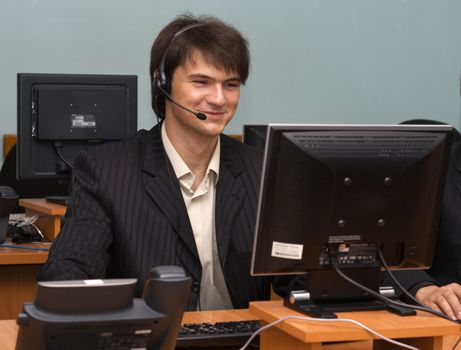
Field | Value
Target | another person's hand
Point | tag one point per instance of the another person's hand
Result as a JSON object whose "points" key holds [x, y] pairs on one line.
{"points": [[445, 299]]}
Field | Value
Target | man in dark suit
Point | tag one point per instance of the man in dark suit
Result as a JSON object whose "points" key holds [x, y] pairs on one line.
{"points": [[446, 267], [439, 288], [181, 193]]}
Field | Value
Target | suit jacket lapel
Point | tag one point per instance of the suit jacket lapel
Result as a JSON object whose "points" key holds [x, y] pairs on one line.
{"points": [[229, 198], [162, 186], [457, 160]]}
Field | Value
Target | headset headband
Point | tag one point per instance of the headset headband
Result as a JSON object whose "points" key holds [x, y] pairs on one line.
{"points": [[161, 66]]}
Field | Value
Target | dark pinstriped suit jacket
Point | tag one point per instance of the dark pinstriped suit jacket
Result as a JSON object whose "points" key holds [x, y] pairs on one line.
{"points": [[126, 215], [446, 267]]}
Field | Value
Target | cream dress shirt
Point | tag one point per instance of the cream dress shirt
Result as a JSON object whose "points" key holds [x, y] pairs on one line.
{"points": [[200, 207]]}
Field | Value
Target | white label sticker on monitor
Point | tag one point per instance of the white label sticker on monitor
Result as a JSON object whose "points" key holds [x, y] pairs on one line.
{"points": [[83, 121], [287, 250]]}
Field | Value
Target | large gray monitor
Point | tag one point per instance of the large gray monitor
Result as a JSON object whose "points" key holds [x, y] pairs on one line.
{"points": [[333, 195], [61, 114]]}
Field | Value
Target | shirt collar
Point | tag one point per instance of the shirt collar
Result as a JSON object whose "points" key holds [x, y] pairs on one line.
{"points": [[180, 167]]}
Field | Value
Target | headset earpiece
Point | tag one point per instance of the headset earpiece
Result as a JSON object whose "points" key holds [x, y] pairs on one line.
{"points": [[162, 84]]}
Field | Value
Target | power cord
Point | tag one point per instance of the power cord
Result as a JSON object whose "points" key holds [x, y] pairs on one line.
{"points": [[408, 294], [391, 275], [347, 320], [57, 146], [386, 300], [22, 247]]}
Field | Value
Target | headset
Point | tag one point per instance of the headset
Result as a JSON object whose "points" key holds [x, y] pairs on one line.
{"points": [[163, 84]]}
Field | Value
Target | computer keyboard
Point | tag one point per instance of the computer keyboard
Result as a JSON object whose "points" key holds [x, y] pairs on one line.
{"points": [[217, 335]]}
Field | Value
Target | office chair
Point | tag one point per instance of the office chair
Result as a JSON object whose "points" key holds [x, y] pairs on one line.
{"points": [[455, 136]]}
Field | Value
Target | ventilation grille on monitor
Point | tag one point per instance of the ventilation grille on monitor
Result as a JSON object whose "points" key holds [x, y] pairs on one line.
{"points": [[329, 144]]}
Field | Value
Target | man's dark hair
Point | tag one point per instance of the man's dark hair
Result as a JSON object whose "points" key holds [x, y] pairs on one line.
{"points": [[219, 43]]}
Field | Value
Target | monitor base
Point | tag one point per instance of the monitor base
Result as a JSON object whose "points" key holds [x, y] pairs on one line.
{"points": [[329, 309], [63, 200]]}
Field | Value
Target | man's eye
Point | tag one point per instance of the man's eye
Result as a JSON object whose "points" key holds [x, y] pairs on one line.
{"points": [[234, 84], [200, 82]]}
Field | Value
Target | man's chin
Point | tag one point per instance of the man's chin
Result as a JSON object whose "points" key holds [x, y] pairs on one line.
{"points": [[213, 129]]}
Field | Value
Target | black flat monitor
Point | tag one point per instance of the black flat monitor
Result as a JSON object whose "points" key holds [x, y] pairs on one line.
{"points": [[61, 114], [103, 314], [331, 195], [255, 135]]}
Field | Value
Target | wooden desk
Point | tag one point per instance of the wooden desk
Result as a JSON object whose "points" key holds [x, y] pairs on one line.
{"points": [[49, 214], [19, 267], [8, 334], [18, 277], [9, 330], [9, 141], [424, 331]]}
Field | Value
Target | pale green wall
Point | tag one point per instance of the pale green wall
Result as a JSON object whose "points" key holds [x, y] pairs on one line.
{"points": [[352, 61]]}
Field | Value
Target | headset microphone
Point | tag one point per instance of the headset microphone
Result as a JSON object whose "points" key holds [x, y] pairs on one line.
{"points": [[199, 115]]}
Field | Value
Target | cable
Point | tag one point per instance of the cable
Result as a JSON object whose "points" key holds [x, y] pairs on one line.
{"points": [[57, 147], [391, 275], [390, 301], [386, 268], [347, 320], [22, 247], [376, 295]]}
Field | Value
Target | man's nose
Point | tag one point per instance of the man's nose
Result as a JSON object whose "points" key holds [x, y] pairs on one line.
{"points": [[216, 95]]}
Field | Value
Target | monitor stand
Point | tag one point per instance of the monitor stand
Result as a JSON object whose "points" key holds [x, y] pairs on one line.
{"points": [[330, 293], [63, 200]]}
